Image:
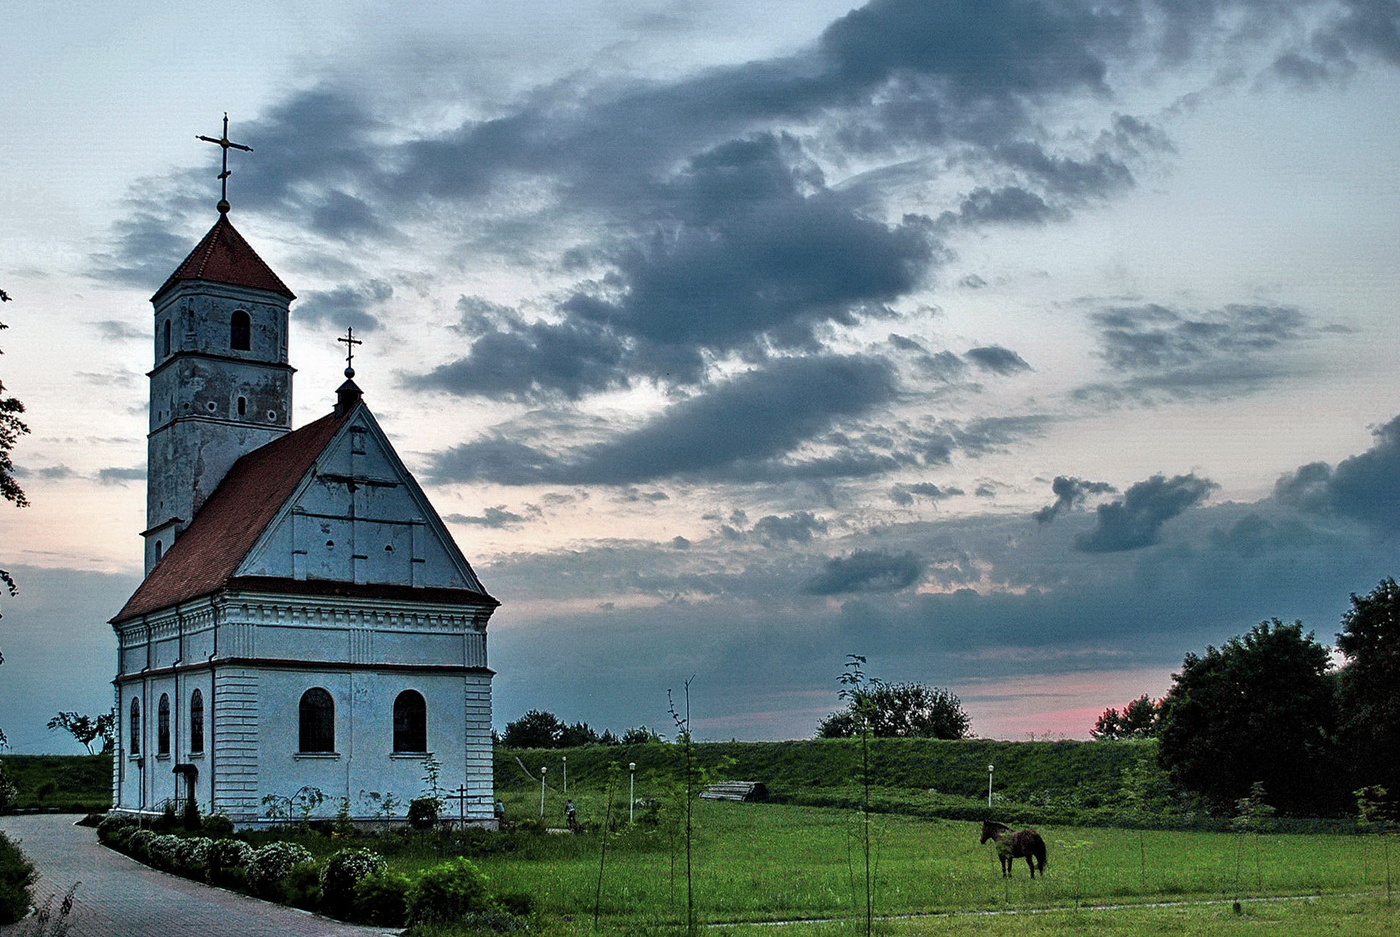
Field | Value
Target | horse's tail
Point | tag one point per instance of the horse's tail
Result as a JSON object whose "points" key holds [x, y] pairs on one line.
{"points": [[1040, 853]]}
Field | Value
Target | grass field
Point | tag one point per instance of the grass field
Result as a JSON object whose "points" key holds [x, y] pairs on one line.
{"points": [[764, 863]]}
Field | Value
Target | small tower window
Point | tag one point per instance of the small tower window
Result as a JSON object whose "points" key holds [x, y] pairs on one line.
{"points": [[165, 339], [160, 550], [242, 406], [316, 721], [163, 726], [410, 722], [196, 722], [135, 716], [240, 332]]}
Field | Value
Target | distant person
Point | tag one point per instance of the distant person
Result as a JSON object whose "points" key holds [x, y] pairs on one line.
{"points": [[500, 811], [571, 812]]}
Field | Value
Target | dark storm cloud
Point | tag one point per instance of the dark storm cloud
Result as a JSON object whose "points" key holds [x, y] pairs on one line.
{"points": [[716, 232], [344, 306], [865, 571], [1136, 520], [904, 495], [737, 429], [1070, 493], [1158, 338], [116, 331], [798, 527], [1166, 353], [1362, 488], [997, 360], [120, 476], [1011, 204], [496, 517]]}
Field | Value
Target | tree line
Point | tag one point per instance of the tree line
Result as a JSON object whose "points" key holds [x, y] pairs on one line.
{"points": [[1267, 711]]}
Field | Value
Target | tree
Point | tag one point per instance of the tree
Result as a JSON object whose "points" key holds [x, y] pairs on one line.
{"points": [[898, 710], [1261, 708], [535, 729], [1138, 720], [641, 735], [87, 729], [1370, 685], [11, 429], [580, 733]]}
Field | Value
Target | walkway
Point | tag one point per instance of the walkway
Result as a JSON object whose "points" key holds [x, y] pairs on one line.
{"points": [[120, 897]]}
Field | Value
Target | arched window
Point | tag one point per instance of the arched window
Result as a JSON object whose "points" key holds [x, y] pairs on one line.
{"points": [[242, 406], [240, 332], [163, 726], [165, 339], [196, 722], [410, 722], [160, 550], [135, 716], [317, 721]]}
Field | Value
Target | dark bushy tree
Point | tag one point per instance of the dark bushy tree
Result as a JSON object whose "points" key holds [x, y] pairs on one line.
{"points": [[11, 429], [535, 729], [1138, 720], [1370, 685], [898, 710], [1260, 708], [87, 730], [640, 735], [580, 733]]}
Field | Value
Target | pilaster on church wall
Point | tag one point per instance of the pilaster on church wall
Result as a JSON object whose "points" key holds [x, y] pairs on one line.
{"points": [[479, 764], [236, 721]]}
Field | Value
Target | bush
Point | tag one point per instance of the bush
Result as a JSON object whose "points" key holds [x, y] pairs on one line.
{"points": [[517, 903], [342, 873], [423, 812], [192, 858], [382, 899], [138, 843], [216, 825], [447, 892], [302, 888], [163, 851], [227, 862], [113, 826], [270, 866], [167, 820], [16, 879]]}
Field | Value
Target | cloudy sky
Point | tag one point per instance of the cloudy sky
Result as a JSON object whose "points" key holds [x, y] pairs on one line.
{"points": [[1019, 347]]}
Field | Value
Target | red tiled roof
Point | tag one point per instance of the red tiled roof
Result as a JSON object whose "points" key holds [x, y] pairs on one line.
{"points": [[224, 257], [202, 559]]}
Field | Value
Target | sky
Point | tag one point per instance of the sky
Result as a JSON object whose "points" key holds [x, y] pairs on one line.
{"points": [[1022, 348]]}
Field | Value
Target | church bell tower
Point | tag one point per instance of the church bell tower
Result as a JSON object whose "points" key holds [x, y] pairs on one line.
{"points": [[221, 385]]}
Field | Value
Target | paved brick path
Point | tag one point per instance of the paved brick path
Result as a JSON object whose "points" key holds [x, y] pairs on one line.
{"points": [[119, 897]]}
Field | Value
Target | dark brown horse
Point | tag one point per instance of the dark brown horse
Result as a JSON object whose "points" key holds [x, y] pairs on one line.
{"points": [[1015, 844]]}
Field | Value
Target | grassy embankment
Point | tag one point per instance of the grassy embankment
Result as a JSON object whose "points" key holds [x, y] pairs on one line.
{"points": [[65, 783]]}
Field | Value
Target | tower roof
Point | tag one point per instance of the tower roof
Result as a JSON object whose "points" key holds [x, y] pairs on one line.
{"points": [[223, 256]]}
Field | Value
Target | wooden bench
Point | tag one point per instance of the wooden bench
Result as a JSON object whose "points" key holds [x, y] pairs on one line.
{"points": [[747, 791]]}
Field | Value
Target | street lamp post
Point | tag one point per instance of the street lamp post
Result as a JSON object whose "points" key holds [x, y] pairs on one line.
{"points": [[990, 769], [566, 776], [542, 771], [631, 789]]}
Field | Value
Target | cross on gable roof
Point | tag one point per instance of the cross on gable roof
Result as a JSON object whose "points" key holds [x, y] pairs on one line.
{"points": [[223, 256]]}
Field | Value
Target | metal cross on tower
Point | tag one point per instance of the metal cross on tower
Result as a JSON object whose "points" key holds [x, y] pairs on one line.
{"points": [[350, 342], [225, 143]]}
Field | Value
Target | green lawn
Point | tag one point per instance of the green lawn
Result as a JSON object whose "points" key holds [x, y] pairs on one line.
{"points": [[756, 862]]}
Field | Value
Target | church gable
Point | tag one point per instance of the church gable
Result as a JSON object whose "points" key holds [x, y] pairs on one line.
{"points": [[358, 516]]}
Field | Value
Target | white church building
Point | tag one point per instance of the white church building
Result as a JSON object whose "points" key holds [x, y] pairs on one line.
{"points": [[306, 622]]}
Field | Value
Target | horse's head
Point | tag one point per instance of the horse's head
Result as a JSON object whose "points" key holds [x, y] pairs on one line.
{"points": [[989, 831]]}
